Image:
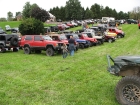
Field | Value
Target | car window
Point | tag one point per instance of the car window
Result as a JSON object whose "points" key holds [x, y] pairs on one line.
{"points": [[37, 38], [47, 37], [28, 38], [2, 37]]}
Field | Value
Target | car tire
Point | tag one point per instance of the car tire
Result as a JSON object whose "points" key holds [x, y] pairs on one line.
{"points": [[27, 50], [81, 46], [2, 49], [14, 41], [90, 44], [119, 36], [128, 90], [110, 40], [49, 51]]}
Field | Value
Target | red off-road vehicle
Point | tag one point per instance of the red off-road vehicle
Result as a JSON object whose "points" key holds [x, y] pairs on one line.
{"points": [[62, 38], [92, 41], [120, 33], [36, 43]]}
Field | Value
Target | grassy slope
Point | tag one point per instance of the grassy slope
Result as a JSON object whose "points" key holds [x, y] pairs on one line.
{"points": [[11, 23], [79, 80], [16, 24]]}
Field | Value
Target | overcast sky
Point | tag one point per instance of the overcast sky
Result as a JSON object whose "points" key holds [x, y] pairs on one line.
{"points": [[17, 5]]}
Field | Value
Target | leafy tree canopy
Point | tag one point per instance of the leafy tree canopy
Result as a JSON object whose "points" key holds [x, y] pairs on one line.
{"points": [[31, 26]]}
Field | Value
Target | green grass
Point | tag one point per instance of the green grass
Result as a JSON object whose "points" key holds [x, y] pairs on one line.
{"points": [[83, 79], [16, 24], [11, 23]]}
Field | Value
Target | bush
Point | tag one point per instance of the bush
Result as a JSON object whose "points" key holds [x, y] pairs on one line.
{"points": [[31, 26]]}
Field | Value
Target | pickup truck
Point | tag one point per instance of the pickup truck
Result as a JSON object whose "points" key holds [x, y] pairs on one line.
{"points": [[36, 43]]}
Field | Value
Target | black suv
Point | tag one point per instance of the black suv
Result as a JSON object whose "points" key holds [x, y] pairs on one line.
{"points": [[9, 42]]}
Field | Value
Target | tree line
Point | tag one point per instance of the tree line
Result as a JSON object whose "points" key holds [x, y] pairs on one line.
{"points": [[72, 11]]}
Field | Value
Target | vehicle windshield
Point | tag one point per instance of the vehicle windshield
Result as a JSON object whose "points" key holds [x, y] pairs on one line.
{"points": [[85, 35], [75, 36], [47, 37], [62, 37]]}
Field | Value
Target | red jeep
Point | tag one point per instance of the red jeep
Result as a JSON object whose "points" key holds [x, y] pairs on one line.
{"points": [[93, 41], [120, 33], [62, 38], [36, 43]]}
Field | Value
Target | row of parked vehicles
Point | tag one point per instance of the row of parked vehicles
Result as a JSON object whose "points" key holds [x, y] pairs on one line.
{"points": [[53, 41]]}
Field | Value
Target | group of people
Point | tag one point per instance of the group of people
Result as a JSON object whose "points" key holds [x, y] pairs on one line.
{"points": [[70, 48]]}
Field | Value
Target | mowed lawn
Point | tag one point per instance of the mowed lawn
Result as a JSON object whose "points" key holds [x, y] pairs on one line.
{"points": [[13, 24], [83, 79]]}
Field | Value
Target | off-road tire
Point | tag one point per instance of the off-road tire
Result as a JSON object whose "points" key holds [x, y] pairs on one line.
{"points": [[90, 44], [128, 90], [27, 50], [49, 51], [81, 46], [119, 35], [99, 42], [14, 41], [110, 40], [139, 27], [2, 49]]}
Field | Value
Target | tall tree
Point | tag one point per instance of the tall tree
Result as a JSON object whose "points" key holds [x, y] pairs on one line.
{"points": [[40, 14], [96, 10], [18, 13], [88, 14], [27, 8], [108, 11], [62, 13], [135, 13], [10, 16], [73, 9]]}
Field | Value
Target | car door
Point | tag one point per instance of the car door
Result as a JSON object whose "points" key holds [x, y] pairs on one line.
{"points": [[38, 42]]}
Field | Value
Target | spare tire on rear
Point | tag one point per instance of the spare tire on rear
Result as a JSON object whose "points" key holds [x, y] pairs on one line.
{"points": [[14, 41]]}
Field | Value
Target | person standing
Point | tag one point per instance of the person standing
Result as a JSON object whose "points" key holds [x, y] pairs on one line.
{"points": [[71, 45], [65, 50]]}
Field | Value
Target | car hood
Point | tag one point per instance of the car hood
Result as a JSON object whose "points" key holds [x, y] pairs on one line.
{"points": [[80, 40], [128, 59], [110, 34]]}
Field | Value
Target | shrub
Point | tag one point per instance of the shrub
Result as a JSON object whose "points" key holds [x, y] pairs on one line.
{"points": [[31, 26]]}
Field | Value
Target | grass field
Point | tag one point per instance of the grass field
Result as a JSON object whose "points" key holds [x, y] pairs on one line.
{"points": [[83, 79], [16, 24]]}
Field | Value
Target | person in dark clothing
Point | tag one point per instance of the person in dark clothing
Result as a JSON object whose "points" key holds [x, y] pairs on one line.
{"points": [[71, 45]]}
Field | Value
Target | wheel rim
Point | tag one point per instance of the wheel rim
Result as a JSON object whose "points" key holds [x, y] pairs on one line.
{"points": [[109, 40], [26, 51], [131, 93], [49, 52]]}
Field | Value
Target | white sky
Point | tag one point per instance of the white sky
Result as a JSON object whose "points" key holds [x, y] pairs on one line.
{"points": [[17, 5]]}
